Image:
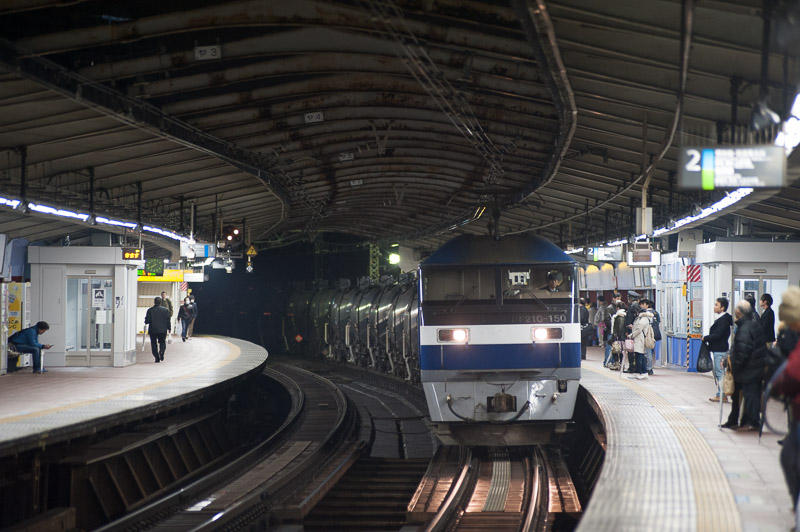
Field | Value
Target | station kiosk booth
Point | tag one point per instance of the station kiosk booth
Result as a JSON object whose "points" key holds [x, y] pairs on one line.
{"points": [[737, 268], [87, 294]]}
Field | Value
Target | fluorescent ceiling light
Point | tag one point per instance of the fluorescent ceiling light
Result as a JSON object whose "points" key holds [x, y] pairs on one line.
{"points": [[164, 232], [11, 203], [46, 209], [119, 223]]}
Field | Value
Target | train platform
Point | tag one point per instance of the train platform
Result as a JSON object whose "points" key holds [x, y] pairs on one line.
{"points": [[669, 466], [37, 410]]}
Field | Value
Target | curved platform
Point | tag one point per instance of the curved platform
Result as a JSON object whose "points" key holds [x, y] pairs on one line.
{"points": [[39, 410], [668, 465]]}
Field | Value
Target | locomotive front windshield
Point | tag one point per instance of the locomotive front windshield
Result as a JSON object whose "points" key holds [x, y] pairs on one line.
{"points": [[540, 293]]}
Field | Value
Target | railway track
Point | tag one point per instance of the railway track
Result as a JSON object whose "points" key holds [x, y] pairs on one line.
{"points": [[315, 439], [498, 489], [354, 453]]}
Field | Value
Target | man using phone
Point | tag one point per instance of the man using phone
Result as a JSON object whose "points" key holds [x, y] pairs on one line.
{"points": [[27, 341]]}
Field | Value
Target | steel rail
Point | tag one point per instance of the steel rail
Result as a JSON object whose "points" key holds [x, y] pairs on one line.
{"points": [[458, 491], [292, 423]]}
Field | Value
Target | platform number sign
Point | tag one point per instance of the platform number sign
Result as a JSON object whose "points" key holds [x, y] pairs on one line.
{"points": [[709, 168]]}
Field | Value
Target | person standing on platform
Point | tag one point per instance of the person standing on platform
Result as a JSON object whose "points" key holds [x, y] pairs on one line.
{"points": [[27, 341], [655, 323], [752, 300], [788, 385], [747, 364], [185, 317], [592, 328], [618, 334], [611, 310], [165, 302], [583, 314], [717, 341], [642, 335], [767, 319], [158, 318], [194, 316], [630, 317], [599, 321]]}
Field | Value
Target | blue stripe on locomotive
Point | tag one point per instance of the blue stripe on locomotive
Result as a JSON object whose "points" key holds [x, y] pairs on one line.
{"points": [[499, 356]]}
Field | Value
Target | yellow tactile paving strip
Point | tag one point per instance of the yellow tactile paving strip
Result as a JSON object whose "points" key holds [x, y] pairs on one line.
{"points": [[715, 506]]}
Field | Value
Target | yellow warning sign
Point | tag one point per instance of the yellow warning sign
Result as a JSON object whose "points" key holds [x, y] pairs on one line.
{"points": [[251, 251]]}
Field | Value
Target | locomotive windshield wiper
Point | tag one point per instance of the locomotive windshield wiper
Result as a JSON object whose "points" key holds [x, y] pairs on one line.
{"points": [[511, 292]]}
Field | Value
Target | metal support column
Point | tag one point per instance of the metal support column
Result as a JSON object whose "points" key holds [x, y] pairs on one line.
{"points": [[91, 193], [139, 204], [182, 223], [23, 174], [374, 261]]}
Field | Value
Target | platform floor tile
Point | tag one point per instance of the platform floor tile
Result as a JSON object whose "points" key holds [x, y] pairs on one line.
{"points": [[696, 475], [33, 405]]}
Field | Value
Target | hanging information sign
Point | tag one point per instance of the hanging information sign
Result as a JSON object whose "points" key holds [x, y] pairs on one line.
{"points": [[708, 168]]}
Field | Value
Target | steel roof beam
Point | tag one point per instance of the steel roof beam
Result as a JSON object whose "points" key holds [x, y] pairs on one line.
{"points": [[138, 114]]}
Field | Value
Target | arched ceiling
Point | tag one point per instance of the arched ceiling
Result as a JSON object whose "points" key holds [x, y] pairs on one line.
{"points": [[406, 120]]}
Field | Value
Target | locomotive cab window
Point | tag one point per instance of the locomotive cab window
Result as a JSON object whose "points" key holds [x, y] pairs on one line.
{"points": [[536, 283], [462, 285]]}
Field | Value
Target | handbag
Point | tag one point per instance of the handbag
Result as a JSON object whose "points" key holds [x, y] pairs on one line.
{"points": [[616, 347], [727, 380], [629, 346], [704, 363]]}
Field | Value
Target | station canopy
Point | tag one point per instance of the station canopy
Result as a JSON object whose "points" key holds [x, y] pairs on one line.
{"points": [[409, 121]]}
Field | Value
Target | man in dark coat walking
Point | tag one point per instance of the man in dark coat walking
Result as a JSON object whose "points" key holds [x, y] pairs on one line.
{"points": [[767, 319], [158, 317], [747, 359]]}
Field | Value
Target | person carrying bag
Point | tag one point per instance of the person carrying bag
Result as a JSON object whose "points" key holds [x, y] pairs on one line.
{"points": [[704, 362]]}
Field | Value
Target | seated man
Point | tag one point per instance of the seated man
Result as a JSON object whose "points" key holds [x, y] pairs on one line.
{"points": [[27, 341]]}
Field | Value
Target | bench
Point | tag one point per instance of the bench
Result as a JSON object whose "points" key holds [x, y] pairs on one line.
{"points": [[17, 360]]}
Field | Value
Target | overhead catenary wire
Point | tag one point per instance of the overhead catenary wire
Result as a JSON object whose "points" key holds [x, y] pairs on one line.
{"points": [[687, 19]]}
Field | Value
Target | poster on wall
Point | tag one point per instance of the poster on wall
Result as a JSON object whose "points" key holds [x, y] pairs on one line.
{"points": [[98, 297], [14, 307]]}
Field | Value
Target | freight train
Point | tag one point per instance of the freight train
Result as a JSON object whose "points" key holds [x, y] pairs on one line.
{"points": [[488, 327]]}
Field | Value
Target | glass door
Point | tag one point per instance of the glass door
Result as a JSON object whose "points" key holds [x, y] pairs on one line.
{"points": [[89, 321], [757, 287], [101, 322]]}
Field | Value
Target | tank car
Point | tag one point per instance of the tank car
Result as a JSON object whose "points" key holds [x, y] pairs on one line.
{"points": [[499, 339]]}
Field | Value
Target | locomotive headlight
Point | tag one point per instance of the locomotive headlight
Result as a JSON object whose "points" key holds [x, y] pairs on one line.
{"points": [[457, 336], [546, 333]]}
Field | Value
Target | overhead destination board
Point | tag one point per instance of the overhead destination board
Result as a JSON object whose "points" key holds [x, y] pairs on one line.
{"points": [[708, 168]]}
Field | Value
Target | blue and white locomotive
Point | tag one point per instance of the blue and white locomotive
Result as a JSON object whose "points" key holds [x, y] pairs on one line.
{"points": [[499, 339], [491, 333]]}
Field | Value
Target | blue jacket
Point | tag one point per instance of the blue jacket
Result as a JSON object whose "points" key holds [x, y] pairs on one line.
{"points": [[29, 336]]}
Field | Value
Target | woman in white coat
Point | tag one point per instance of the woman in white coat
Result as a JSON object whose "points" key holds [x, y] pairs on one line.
{"points": [[642, 328]]}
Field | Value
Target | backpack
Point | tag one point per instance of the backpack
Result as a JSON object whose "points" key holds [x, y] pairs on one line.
{"points": [[649, 338], [656, 326]]}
